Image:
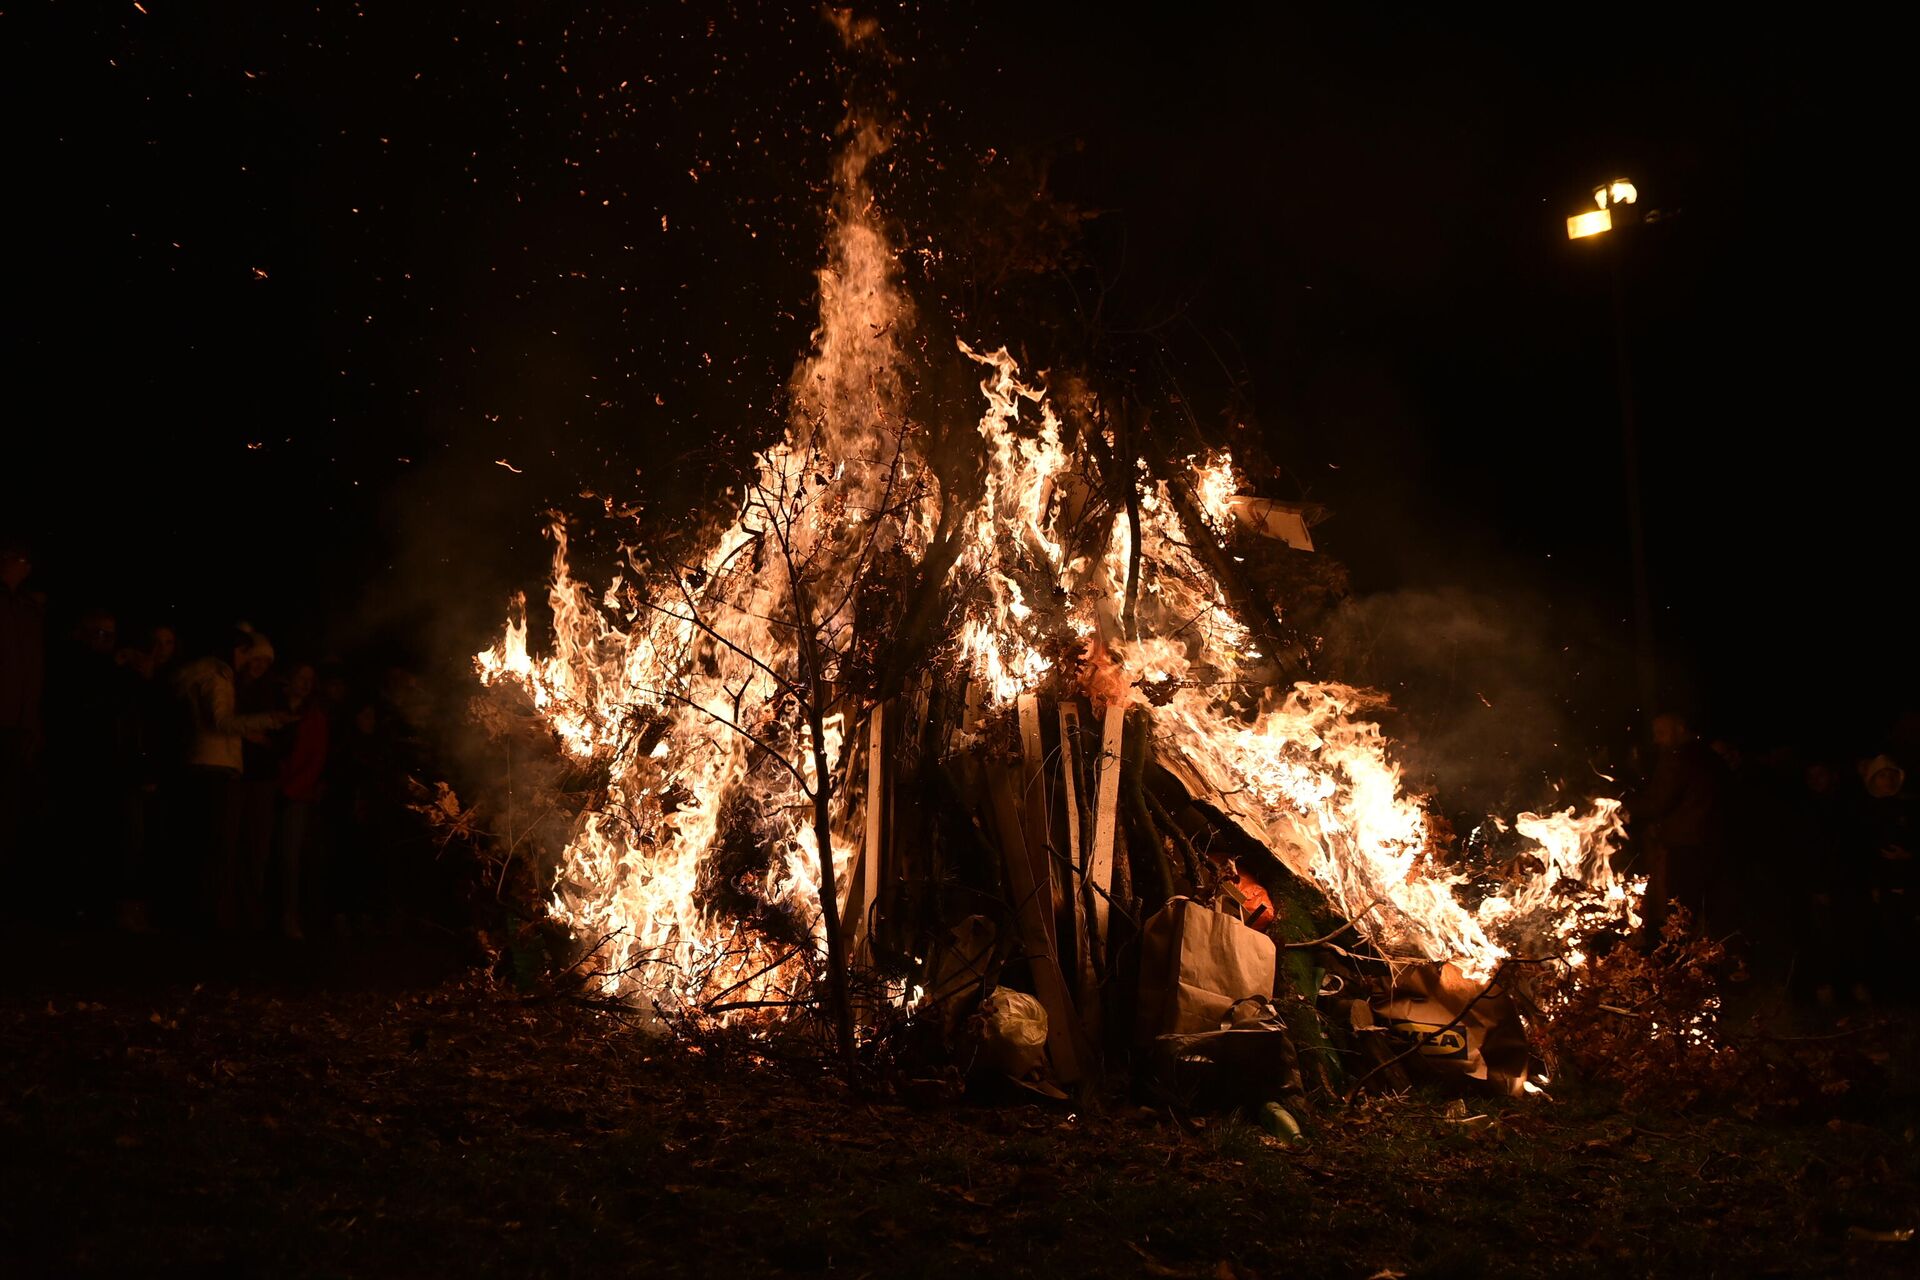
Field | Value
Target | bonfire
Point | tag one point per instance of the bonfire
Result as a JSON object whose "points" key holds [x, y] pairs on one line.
{"points": [[958, 706]]}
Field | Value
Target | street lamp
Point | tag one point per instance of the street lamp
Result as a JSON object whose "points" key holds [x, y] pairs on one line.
{"points": [[1607, 197], [1616, 206]]}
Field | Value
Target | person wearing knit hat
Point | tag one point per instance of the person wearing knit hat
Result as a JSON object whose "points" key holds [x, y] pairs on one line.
{"points": [[1883, 777], [252, 652], [1889, 816]]}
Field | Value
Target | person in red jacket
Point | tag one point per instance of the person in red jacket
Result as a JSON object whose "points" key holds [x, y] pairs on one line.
{"points": [[302, 765]]}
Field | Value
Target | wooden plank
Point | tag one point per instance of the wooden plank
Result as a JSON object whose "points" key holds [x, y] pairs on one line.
{"points": [[1036, 811], [1065, 1039], [1106, 814], [1086, 953], [1070, 793], [873, 847], [1282, 521]]}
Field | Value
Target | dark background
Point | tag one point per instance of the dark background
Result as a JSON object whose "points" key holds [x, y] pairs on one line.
{"points": [[288, 282]]}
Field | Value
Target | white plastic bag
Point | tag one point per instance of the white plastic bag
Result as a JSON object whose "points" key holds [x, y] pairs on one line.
{"points": [[1013, 1033]]}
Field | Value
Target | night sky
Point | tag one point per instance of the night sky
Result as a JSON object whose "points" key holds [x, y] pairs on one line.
{"points": [[289, 283]]}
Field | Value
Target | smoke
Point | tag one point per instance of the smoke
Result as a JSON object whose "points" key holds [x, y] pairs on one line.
{"points": [[1480, 685]]}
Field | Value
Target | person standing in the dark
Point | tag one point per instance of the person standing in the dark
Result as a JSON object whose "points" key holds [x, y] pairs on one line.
{"points": [[1890, 838], [1680, 819], [323, 895], [303, 764], [91, 762], [1833, 953], [153, 734], [260, 756], [22, 681], [362, 789], [215, 755]]}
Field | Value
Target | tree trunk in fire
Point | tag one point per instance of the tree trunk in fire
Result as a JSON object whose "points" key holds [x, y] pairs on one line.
{"points": [[813, 671], [840, 1005]]}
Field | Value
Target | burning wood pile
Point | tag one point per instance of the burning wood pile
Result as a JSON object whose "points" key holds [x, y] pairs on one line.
{"points": [[985, 724]]}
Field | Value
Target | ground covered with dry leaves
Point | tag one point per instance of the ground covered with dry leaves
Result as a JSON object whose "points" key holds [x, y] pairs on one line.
{"points": [[372, 1110]]}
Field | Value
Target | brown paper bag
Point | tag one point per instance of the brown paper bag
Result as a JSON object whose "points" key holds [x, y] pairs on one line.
{"points": [[1195, 965], [1488, 1044]]}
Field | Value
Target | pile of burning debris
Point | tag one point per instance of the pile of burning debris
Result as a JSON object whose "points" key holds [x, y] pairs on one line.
{"points": [[988, 733]]}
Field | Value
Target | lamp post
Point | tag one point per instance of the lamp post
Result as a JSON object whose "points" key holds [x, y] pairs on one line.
{"points": [[1616, 212]]}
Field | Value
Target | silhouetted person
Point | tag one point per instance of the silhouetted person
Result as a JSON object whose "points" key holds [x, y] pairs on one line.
{"points": [[23, 671], [361, 801], [1838, 912], [90, 692], [302, 766], [1679, 815], [260, 756], [90, 763], [405, 714], [151, 661], [215, 757], [153, 742], [1903, 739], [322, 892], [407, 724], [151, 656], [1758, 890], [1889, 843]]}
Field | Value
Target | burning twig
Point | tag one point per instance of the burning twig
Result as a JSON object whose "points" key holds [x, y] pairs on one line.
{"points": [[765, 969], [1322, 941], [748, 734], [1188, 855]]}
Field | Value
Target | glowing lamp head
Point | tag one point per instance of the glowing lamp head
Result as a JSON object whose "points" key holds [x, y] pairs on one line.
{"points": [[1607, 197], [1591, 223], [1619, 191]]}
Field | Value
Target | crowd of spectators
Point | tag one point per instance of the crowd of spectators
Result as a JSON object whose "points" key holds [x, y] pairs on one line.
{"points": [[1804, 860], [233, 790]]}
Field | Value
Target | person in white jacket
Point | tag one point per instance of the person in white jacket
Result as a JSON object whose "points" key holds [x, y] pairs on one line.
{"points": [[210, 690], [214, 755]]}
